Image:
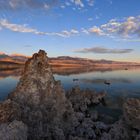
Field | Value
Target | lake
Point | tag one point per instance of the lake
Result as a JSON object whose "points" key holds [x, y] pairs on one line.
{"points": [[123, 84]]}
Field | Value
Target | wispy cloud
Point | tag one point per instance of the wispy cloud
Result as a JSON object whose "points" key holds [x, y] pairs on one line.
{"points": [[43, 4], [78, 3], [24, 29], [103, 50], [32, 4], [18, 28], [90, 2], [125, 29]]}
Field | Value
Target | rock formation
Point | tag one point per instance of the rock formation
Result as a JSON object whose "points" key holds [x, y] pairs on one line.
{"points": [[42, 99], [9, 111], [81, 99], [39, 109], [15, 130], [132, 113]]}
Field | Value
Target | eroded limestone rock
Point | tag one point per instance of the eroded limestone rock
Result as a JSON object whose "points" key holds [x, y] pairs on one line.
{"points": [[15, 130], [9, 111], [81, 99], [131, 112]]}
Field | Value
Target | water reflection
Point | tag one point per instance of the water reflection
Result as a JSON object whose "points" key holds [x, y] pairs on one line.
{"points": [[15, 73], [111, 81], [124, 83]]}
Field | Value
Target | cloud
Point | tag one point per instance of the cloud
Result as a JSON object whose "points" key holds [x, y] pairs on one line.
{"points": [[24, 29], [127, 28], [103, 50], [90, 2], [43, 4], [78, 3], [96, 30], [66, 33], [17, 28], [85, 31], [32, 4]]}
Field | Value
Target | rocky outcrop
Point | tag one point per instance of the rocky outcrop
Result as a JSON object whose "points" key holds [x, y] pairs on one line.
{"points": [[42, 99], [9, 111], [37, 82], [15, 130], [131, 111], [81, 99], [117, 131], [40, 108], [128, 127]]}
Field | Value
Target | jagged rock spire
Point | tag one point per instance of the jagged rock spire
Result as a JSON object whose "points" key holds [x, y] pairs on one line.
{"points": [[37, 83]]}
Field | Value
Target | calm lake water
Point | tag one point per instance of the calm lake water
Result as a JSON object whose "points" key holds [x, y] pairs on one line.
{"points": [[124, 84]]}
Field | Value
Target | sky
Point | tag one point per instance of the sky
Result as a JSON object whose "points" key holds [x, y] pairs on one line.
{"points": [[94, 29]]}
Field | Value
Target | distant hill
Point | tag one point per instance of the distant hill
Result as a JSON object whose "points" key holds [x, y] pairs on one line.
{"points": [[67, 60], [13, 58], [64, 61]]}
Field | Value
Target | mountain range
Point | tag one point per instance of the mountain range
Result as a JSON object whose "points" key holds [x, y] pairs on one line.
{"points": [[63, 61]]}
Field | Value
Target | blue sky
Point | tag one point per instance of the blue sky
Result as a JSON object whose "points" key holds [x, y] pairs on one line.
{"points": [[97, 29]]}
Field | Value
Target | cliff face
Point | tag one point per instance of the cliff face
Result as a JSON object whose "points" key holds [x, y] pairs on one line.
{"points": [[39, 110]]}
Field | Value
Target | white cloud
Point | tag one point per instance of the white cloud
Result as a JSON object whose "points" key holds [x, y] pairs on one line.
{"points": [[85, 31], [126, 28], [24, 29], [17, 28], [78, 3], [73, 31], [66, 33]]}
